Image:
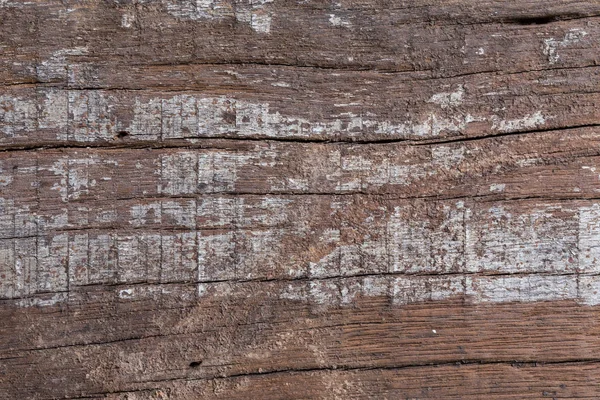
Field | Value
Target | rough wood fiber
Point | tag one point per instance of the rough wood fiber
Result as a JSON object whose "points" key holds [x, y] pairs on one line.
{"points": [[299, 199]]}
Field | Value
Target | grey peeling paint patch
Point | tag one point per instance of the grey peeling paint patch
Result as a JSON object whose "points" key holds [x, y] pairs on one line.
{"points": [[534, 120], [449, 99], [522, 288], [73, 175], [55, 67], [17, 114], [337, 292], [54, 111], [417, 290], [127, 20], [415, 246], [194, 256], [589, 290], [589, 239], [43, 300], [185, 173], [89, 116], [253, 12], [23, 116], [552, 249], [189, 116], [337, 20], [92, 115], [542, 240], [551, 46]]}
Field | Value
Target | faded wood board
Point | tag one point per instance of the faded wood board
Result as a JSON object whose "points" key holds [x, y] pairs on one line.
{"points": [[299, 199]]}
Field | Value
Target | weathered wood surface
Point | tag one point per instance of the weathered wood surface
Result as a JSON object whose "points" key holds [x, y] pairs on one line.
{"points": [[299, 199]]}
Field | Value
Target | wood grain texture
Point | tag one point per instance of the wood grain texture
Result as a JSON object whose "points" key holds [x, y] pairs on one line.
{"points": [[299, 199]]}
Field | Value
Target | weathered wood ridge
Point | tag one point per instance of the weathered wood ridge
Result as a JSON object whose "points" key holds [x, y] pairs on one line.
{"points": [[299, 199]]}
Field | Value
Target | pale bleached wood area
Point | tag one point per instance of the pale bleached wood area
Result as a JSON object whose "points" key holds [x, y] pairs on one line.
{"points": [[299, 199]]}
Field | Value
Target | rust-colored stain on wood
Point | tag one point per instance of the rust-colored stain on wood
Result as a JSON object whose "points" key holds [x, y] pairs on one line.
{"points": [[277, 199]]}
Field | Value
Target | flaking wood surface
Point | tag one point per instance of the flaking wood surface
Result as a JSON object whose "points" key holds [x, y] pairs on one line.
{"points": [[284, 199]]}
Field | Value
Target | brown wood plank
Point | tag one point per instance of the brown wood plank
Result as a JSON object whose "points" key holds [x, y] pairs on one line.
{"points": [[299, 199], [188, 103], [393, 36], [263, 337], [495, 167], [457, 381], [329, 238]]}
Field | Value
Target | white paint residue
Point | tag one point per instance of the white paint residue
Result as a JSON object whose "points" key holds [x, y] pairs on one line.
{"points": [[375, 286], [297, 184], [293, 292], [324, 292], [447, 156], [589, 239], [330, 236], [43, 301], [199, 9], [497, 187], [187, 116], [252, 12], [74, 179], [551, 46], [54, 112], [127, 20], [338, 21], [432, 125], [385, 172], [527, 122], [18, 115], [90, 110], [589, 290], [191, 116], [281, 84], [179, 173], [60, 168], [55, 67], [486, 254], [409, 290], [521, 288], [528, 162], [260, 22], [181, 213], [141, 214], [126, 293], [449, 99]]}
